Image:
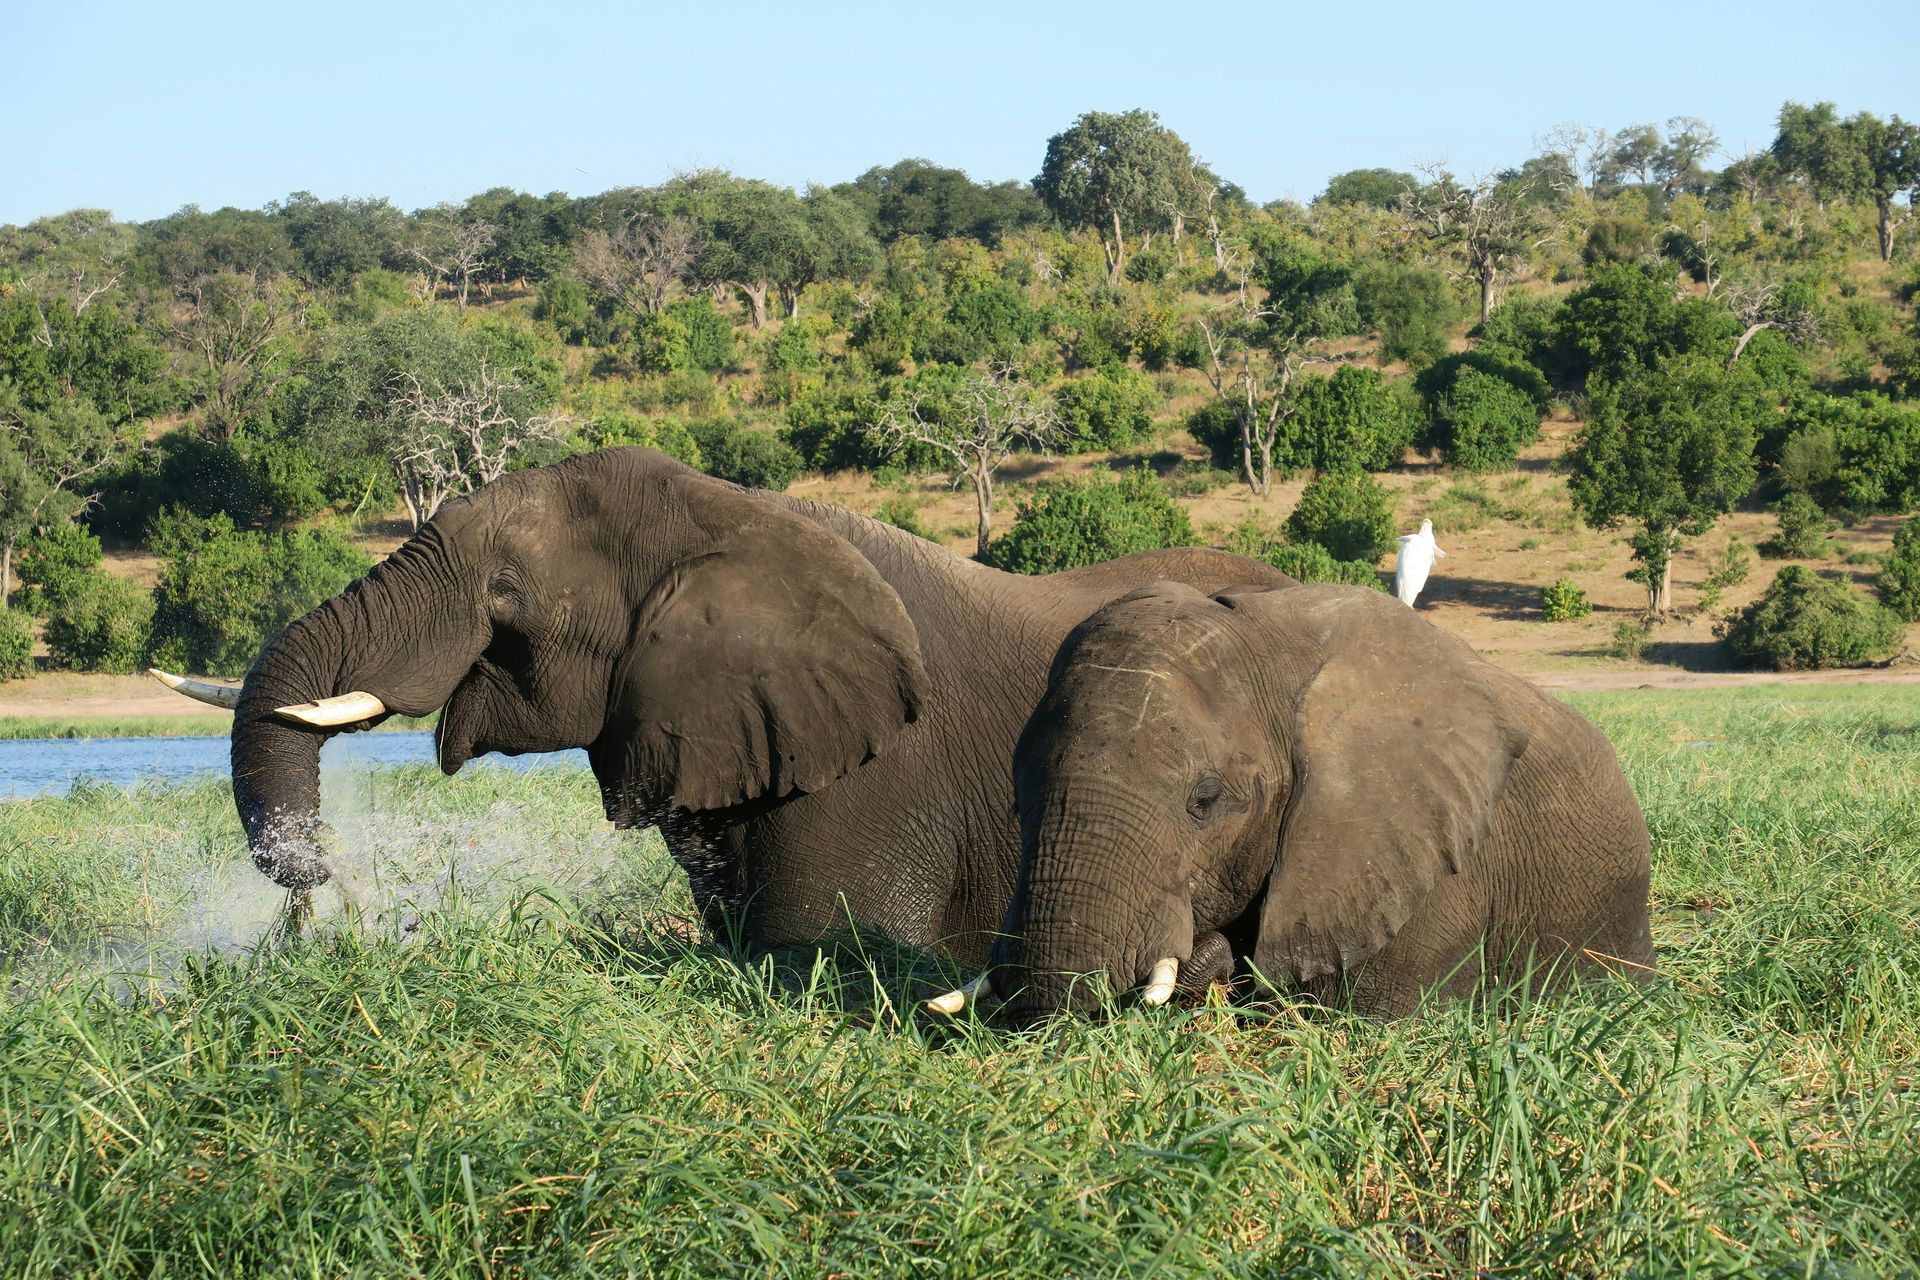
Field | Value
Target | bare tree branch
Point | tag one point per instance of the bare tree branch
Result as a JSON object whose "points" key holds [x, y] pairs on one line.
{"points": [[640, 264], [453, 439]]}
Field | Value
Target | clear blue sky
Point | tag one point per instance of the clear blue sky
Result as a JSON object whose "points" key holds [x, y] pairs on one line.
{"points": [[141, 108]]}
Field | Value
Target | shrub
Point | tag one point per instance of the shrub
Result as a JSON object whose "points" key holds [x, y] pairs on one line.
{"points": [[1067, 524], [1899, 579], [1215, 428], [1563, 602], [1630, 640], [1355, 420], [224, 592], [16, 644], [1350, 514], [904, 514], [1411, 308], [1111, 409], [757, 459], [1802, 529], [1301, 561], [624, 427], [55, 564], [1805, 622], [709, 335], [103, 624], [1481, 421]]}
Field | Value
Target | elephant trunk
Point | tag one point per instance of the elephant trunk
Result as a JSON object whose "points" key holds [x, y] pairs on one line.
{"points": [[1094, 903], [389, 635]]}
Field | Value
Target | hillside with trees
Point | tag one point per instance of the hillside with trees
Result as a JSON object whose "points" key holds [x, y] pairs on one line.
{"points": [[1625, 377]]}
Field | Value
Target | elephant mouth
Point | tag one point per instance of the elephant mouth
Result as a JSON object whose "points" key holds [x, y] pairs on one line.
{"points": [[1000, 992]]}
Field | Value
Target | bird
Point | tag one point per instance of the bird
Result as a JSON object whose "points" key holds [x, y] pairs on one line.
{"points": [[1418, 551]]}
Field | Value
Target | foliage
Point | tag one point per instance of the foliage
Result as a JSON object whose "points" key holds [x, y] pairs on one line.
{"points": [[1378, 188], [1627, 318], [1348, 513], [1216, 429], [1669, 449], [1860, 452], [916, 198], [903, 513], [1480, 421], [1805, 622], [1411, 308], [1562, 601], [54, 564], [1355, 420], [1065, 524], [1630, 639], [1732, 569], [1116, 174], [1899, 579], [1802, 529], [225, 592], [1301, 561], [102, 623], [708, 334], [751, 456], [16, 644], [1110, 409], [615, 427]]}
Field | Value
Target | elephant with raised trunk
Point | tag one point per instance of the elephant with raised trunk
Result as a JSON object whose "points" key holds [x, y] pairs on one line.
{"points": [[819, 710], [1314, 784]]}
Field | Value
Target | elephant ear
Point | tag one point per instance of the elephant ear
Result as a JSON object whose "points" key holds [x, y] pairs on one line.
{"points": [[771, 661], [1400, 750]]}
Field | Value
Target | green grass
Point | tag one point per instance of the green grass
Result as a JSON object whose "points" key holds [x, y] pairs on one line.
{"points": [[188, 726], [526, 1071]]}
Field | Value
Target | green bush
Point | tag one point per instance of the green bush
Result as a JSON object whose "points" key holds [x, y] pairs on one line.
{"points": [[1348, 513], [54, 564], [1110, 409], [103, 624], [1411, 308], [1630, 639], [225, 592], [1563, 602], [1066, 524], [624, 427], [1899, 578], [1301, 561], [1805, 622], [755, 458], [1481, 421], [1355, 420], [709, 335], [903, 513], [16, 644], [1217, 430], [1802, 531]]}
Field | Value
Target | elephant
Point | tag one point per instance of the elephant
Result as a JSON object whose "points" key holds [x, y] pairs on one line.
{"points": [[1311, 785], [817, 709]]}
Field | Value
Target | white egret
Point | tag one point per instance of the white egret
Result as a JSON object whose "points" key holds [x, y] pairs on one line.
{"points": [[1418, 551]]}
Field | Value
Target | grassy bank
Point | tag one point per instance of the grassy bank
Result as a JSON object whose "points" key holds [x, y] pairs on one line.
{"points": [[519, 1068], [14, 728]]}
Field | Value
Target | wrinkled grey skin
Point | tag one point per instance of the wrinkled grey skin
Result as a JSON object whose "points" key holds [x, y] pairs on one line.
{"points": [[1314, 782], [818, 709]]}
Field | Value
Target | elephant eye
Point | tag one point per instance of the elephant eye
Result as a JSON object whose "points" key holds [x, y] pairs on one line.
{"points": [[1205, 798]]}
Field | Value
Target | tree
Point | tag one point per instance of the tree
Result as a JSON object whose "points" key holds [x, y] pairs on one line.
{"points": [[458, 434], [992, 414], [1668, 448], [1116, 174], [47, 455], [1492, 223], [451, 246], [639, 263], [1374, 188], [834, 245], [1635, 153], [1677, 164], [234, 324], [755, 235], [337, 240], [1861, 157], [919, 198]]}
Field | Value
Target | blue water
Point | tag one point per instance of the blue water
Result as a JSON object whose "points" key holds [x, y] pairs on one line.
{"points": [[50, 766]]}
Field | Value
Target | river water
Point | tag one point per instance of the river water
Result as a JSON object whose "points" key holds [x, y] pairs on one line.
{"points": [[50, 766]]}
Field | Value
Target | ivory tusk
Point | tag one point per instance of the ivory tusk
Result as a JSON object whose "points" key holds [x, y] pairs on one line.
{"points": [[347, 708], [956, 1000], [1160, 982], [214, 695]]}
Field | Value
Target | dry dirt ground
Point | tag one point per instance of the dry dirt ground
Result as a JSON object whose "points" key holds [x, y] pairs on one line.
{"points": [[1506, 535]]}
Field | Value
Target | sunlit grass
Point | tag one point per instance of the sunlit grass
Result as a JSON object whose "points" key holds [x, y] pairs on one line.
{"points": [[530, 1072]]}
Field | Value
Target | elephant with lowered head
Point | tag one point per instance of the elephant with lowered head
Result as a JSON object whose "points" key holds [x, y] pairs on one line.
{"points": [[1314, 783], [818, 710]]}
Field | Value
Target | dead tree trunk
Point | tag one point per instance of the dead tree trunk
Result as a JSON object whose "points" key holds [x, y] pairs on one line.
{"points": [[983, 510]]}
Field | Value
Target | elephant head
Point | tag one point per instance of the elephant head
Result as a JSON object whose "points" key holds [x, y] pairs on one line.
{"points": [[708, 646], [1291, 769]]}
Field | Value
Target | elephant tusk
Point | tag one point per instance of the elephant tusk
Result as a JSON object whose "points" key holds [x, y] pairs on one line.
{"points": [[1160, 982], [214, 695], [347, 708], [956, 1000]]}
